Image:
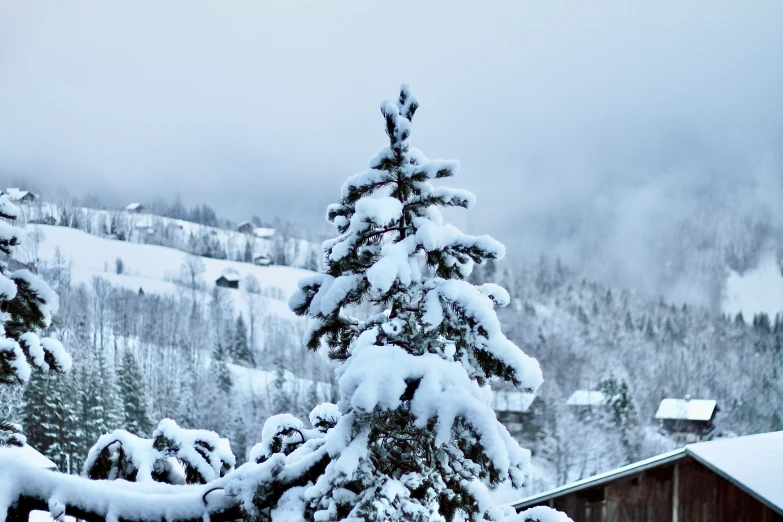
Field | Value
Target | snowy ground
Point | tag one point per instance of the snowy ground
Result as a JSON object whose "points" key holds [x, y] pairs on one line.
{"points": [[261, 383], [755, 291], [153, 268]]}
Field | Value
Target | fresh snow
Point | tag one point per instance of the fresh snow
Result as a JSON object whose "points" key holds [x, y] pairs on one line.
{"points": [[586, 398], [29, 455], [690, 409], [512, 401], [261, 383], [755, 462], [154, 268], [755, 291]]}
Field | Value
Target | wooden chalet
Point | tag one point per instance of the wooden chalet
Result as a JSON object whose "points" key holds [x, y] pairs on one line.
{"points": [[687, 420], [246, 227], [228, 280], [725, 480], [514, 409], [20, 196], [262, 260], [584, 402], [135, 207]]}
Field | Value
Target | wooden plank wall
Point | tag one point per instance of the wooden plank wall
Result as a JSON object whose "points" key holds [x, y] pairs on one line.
{"points": [[647, 496], [708, 497]]}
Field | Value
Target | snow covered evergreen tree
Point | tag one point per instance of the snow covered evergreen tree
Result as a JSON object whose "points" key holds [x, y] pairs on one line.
{"points": [[241, 348], [133, 396], [27, 305], [417, 440], [220, 372]]}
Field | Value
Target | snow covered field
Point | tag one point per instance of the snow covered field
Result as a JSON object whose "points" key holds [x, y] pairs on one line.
{"points": [[154, 268]]}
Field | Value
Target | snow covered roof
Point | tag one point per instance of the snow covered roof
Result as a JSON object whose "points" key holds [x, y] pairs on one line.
{"points": [[686, 409], [245, 224], [32, 456], [264, 232], [586, 398], [134, 206], [752, 463], [514, 401], [16, 194], [230, 276], [601, 478]]}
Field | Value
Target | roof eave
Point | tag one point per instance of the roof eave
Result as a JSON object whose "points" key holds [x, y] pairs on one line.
{"points": [[630, 469]]}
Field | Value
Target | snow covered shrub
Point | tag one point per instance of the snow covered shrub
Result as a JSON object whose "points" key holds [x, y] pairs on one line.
{"points": [[174, 455]]}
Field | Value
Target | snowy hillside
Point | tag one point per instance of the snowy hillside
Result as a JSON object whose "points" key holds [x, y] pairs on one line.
{"points": [[759, 290], [279, 246], [154, 268]]}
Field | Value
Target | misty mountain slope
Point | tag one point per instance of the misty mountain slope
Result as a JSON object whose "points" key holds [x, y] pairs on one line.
{"points": [[675, 230], [582, 332]]}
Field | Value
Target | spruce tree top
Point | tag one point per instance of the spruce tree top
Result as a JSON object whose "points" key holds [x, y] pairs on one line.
{"points": [[394, 250], [417, 439]]}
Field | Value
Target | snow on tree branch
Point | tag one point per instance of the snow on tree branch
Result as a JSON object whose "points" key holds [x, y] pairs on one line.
{"points": [[27, 305], [174, 455]]}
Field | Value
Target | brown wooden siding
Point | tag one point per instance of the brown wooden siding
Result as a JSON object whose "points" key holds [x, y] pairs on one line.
{"points": [[647, 496], [706, 496]]}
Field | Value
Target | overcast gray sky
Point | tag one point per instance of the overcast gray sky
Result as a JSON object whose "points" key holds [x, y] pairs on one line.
{"points": [[571, 119]]}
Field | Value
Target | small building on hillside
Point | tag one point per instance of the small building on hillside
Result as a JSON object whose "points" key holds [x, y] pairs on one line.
{"points": [[228, 280], [135, 207], [262, 260], [724, 480], [45, 220], [583, 402], [514, 408], [246, 227], [688, 420], [20, 196]]}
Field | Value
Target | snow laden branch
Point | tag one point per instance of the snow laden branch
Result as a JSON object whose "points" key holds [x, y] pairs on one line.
{"points": [[145, 479], [174, 455]]}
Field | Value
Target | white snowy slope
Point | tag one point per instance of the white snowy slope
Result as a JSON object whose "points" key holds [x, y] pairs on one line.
{"points": [[260, 383], [757, 290], [154, 268]]}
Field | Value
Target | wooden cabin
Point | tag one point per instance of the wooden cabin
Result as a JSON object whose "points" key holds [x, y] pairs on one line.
{"points": [[262, 260], [687, 420], [20, 196], [514, 409], [246, 227], [726, 480], [584, 402], [228, 281], [135, 207]]}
